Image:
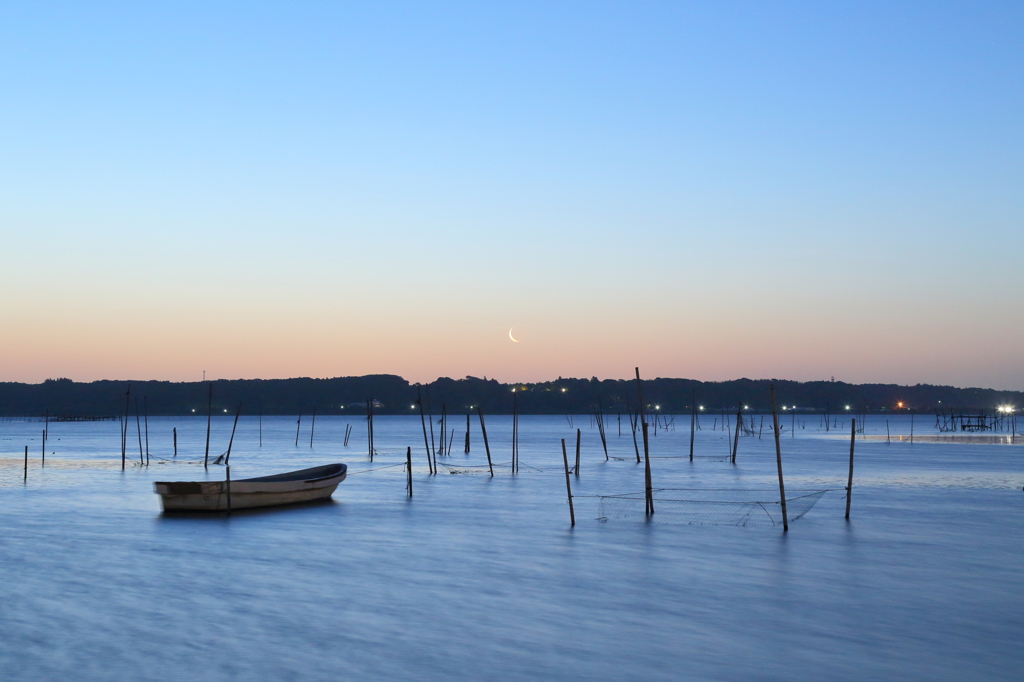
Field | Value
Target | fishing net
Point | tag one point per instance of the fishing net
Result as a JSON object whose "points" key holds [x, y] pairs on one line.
{"points": [[707, 507], [500, 469], [476, 469]]}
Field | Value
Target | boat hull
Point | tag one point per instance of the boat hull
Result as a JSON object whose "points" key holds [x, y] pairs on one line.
{"points": [[307, 485]]}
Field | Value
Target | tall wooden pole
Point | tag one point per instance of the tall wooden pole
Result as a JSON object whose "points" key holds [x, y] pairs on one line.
{"points": [[26, 464], [175, 431], [227, 475], [209, 415], [298, 425], [43, 461], [568, 487], [261, 427], [369, 430], [693, 422], [515, 427], [466, 450], [145, 410], [641, 418], [778, 462], [124, 429], [849, 481], [487, 447], [647, 474]]}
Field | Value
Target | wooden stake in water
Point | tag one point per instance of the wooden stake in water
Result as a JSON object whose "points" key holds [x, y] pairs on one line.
{"points": [[647, 474], [693, 422], [849, 481], [568, 487], [515, 429], [44, 450], [369, 428], [298, 424], [175, 430], [487, 447], [261, 427], [911, 428], [209, 416], [633, 422], [145, 410], [577, 469], [227, 474], [312, 427], [26, 464], [778, 462], [408, 470], [466, 450]]}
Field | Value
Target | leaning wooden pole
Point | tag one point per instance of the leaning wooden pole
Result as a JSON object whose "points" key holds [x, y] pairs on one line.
{"points": [[600, 429], [298, 425], [487, 447], [138, 429], [778, 462], [633, 420], [227, 457], [736, 436], [849, 481], [568, 486], [227, 484], [426, 445]]}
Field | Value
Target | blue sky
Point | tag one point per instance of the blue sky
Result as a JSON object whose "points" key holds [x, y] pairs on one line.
{"points": [[709, 190]]}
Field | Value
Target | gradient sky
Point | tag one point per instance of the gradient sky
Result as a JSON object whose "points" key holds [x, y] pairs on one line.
{"points": [[707, 190]]}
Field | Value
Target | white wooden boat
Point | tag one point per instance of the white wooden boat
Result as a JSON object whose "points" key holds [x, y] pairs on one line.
{"points": [[305, 485]]}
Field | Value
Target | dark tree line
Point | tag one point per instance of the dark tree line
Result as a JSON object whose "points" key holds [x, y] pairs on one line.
{"points": [[394, 395]]}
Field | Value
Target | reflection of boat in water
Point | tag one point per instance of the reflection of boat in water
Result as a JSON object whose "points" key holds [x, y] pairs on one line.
{"points": [[317, 483]]}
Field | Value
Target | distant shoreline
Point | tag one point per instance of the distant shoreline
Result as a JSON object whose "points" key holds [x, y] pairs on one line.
{"points": [[390, 394]]}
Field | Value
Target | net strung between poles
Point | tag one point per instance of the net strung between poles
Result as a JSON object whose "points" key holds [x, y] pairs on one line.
{"points": [[709, 507]]}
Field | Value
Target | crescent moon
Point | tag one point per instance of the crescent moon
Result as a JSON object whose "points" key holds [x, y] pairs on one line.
{"points": [[510, 335]]}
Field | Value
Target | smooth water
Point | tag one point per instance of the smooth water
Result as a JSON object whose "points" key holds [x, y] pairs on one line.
{"points": [[477, 578]]}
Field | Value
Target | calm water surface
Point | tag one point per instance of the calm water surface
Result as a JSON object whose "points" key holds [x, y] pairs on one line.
{"points": [[483, 579]]}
